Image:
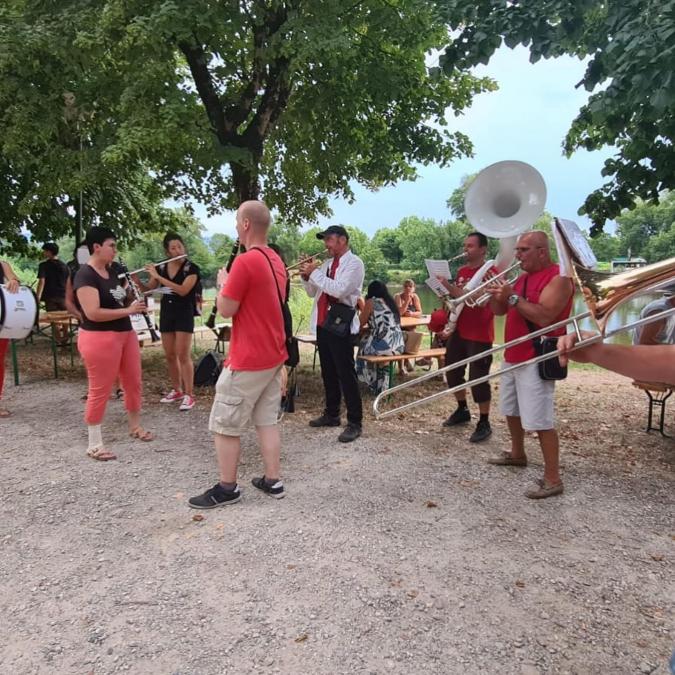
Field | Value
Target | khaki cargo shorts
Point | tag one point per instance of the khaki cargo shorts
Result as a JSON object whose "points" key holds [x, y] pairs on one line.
{"points": [[245, 396]]}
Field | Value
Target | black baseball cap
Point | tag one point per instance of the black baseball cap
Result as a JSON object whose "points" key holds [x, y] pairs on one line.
{"points": [[333, 229]]}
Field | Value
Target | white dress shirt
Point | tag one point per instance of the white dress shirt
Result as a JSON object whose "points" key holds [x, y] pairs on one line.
{"points": [[346, 286]]}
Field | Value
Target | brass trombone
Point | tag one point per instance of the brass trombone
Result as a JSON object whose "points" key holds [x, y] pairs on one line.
{"points": [[602, 292]]}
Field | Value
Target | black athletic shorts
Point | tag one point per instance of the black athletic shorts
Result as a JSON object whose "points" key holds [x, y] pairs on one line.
{"points": [[176, 318]]}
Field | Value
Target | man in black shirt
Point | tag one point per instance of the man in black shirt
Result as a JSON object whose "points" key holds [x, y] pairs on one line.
{"points": [[52, 275]]}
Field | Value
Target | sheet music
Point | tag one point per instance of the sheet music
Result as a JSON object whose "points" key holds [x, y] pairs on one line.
{"points": [[580, 249], [438, 268], [564, 257], [436, 286]]}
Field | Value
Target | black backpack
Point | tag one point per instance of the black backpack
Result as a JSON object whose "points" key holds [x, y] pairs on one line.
{"points": [[208, 369]]}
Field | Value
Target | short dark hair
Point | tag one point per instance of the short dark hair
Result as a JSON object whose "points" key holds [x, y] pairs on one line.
{"points": [[97, 235], [482, 239], [171, 236], [51, 247]]}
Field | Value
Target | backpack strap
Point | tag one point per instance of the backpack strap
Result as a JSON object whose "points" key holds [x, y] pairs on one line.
{"points": [[274, 276]]}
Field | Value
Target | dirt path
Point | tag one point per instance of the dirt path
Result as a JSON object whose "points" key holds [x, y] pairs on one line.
{"points": [[403, 552]]}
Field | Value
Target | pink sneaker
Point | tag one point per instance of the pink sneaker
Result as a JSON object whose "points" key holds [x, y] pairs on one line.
{"points": [[188, 403], [172, 397]]}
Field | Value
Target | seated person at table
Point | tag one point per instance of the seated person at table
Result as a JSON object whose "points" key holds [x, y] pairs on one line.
{"points": [[409, 304], [659, 332], [382, 335]]}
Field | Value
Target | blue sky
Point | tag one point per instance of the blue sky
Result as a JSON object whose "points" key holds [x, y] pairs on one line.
{"points": [[526, 119]]}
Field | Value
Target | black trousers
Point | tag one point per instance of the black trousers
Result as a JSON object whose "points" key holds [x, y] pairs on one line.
{"points": [[458, 349], [338, 373]]}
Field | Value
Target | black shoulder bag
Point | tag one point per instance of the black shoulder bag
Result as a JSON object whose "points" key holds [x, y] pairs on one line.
{"points": [[551, 368], [291, 341]]}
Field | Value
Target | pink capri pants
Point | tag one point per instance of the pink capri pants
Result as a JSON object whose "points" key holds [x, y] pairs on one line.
{"points": [[108, 355]]}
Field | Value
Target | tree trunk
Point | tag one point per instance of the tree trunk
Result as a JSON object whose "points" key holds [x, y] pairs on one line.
{"points": [[245, 181]]}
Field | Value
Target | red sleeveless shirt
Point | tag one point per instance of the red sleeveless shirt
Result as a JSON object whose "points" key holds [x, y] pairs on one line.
{"points": [[516, 326]]}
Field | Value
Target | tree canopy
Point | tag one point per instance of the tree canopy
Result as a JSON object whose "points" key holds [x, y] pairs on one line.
{"points": [[287, 101], [630, 47]]}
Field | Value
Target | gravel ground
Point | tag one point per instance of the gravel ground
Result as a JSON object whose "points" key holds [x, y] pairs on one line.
{"points": [[402, 552]]}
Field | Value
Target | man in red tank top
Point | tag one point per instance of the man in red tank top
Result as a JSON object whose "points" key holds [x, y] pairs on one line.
{"points": [[541, 297], [473, 334]]}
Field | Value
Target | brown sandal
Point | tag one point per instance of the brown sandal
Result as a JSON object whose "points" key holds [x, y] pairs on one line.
{"points": [[507, 459], [101, 454], [142, 434]]}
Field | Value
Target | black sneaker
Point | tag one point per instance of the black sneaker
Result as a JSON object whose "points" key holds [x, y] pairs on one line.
{"points": [[276, 490], [351, 433], [325, 421], [214, 497], [460, 416], [483, 432]]}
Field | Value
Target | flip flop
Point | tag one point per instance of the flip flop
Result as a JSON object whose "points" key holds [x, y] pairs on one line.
{"points": [[101, 454], [142, 434]]}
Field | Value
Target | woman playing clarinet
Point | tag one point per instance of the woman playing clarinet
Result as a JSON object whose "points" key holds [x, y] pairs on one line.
{"points": [[178, 279], [106, 341]]}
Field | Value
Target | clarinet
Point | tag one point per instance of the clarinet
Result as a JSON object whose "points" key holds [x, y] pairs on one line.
{"points": [[211, 321], [139, 298]]}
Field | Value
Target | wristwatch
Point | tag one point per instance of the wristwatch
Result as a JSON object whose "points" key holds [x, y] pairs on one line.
{"points": [[513, 299]]}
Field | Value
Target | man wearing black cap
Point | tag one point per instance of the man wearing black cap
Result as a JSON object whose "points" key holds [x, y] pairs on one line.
{"points": [[336, 286]]}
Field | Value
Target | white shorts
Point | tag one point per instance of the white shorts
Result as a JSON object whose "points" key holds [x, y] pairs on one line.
{"points": [[244, 396], [522, 393]]}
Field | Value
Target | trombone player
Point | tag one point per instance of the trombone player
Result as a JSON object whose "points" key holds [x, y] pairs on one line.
{"points": [[473, 334], [538, 298]]}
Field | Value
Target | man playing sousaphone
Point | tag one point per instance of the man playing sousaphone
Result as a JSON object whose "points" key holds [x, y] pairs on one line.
{"points": [[473, 334], [539, 297]]}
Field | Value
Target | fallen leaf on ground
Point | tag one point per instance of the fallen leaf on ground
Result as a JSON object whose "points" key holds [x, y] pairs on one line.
{"points": [[302, 637], [431, 505], [198, 517]]}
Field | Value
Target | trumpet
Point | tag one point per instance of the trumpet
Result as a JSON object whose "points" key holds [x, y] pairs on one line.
{"points": [[479, 296], [161, 262], [294, 268]]}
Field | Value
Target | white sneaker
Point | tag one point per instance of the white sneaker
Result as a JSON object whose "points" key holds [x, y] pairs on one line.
{"points": [[188, 403], [172, 397]]}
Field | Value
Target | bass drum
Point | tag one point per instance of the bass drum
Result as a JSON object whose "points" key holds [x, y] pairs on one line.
{"points": [[18, 313]]}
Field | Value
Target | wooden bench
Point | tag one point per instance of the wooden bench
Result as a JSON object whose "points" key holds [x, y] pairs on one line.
{"points": [[390, 359], [657, 393]]}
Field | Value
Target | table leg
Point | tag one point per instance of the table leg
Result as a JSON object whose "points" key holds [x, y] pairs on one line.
{"points": [[55, 353]]}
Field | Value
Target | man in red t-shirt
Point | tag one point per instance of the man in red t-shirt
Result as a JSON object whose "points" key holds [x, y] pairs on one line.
{"points": [[249, 388], [473, 334], [541, 297]]}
